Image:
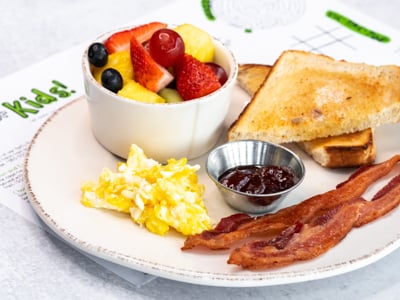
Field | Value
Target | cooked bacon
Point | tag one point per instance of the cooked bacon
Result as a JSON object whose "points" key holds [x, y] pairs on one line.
{"points": [[311, 241], [232, 222], [382, 203], [272, 224], [320, 234]]}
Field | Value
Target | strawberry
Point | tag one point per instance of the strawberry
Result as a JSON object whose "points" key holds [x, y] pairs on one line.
{"points": [[194, 79], [119, 41], [147, 72]]}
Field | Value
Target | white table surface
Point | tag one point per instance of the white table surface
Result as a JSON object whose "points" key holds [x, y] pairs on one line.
{"points": [[34, 264]]}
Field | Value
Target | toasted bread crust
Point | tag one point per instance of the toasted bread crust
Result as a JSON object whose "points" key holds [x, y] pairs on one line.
{"points": [[309, 96], [346, 150]]}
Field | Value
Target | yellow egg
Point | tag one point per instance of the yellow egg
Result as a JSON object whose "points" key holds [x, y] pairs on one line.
{"points": [[157, 196]]}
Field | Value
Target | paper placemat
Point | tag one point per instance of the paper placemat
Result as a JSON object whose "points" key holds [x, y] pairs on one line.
{"points": [[255, 32]]}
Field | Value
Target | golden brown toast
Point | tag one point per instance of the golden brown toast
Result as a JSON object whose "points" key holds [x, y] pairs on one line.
{"points": [[347, 150], [308, 96], [251, 76]]}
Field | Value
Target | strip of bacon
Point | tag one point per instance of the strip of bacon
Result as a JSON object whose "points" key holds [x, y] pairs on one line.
{"points": [[382, 203], [320, 234], [271, 224], [311, 241]]}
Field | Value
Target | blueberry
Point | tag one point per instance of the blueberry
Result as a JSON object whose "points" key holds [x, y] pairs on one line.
{"points": [[98, 55], [111, 79]]}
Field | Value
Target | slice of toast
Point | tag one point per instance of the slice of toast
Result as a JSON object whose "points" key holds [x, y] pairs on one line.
{"points": [[251, 76], [347, 150], [308, 96]]}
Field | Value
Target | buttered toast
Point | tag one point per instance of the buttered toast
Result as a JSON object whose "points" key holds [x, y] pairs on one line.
{"points": [[308, 96], [347, 150]]}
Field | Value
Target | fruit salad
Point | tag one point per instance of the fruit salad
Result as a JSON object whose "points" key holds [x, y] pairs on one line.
{"points": [[156, 64]]}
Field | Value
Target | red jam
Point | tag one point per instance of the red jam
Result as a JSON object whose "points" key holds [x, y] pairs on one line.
{"points": [[255, 179]]}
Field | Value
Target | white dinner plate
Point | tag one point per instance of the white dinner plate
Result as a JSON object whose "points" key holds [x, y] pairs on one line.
{"points": [[64, 153]]}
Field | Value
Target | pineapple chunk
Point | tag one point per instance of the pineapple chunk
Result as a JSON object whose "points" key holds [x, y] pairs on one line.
{"points": [[198, 43], [121, 61], [136, 91]]}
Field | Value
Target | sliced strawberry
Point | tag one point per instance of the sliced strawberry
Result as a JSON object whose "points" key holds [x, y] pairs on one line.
{"points": [[194, 79], [147, 72], [120, 41]]}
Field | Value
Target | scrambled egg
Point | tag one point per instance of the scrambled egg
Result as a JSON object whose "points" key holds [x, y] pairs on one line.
{"points": [[155, 195]]}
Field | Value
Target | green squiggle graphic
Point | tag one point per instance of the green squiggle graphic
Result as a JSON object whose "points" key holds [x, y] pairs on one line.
{"points": [[207, 9], [357, 27]]}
